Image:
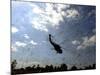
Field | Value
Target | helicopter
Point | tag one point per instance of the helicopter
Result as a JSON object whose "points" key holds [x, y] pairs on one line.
{"points": [[57, 47]]}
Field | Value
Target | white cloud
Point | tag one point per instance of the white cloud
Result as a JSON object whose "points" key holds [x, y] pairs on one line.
{"points": [[20, 44], [49, 7], [37, 9], [13, 48], [14, 30], [75, 42], [49, 16], [26, 36], [54, 17], [32, 42], [60, 7], [87, 42], [72, 13], [37, 25]]}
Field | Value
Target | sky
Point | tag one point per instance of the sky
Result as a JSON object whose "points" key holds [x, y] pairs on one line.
{"points": [[73, 27]]}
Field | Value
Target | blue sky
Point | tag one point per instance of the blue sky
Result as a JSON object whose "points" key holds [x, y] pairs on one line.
{"points": [[72, 27]]}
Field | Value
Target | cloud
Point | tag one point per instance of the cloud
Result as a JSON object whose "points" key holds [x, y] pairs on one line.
{"points": [[37, 9], [38, 25], [26, 36], [51, 15], [92, 12], [87, 42], [14, 29], [33, 43], [72, 13], [48, 14], [60, 7], [24, 63], [75, 42], [20, 44], [13, 48]]}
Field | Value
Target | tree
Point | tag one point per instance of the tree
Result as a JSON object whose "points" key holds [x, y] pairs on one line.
{"points": [[74, 68], [63, 67], [13, 64]]}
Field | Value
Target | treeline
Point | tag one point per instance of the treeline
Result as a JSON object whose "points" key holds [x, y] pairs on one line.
{"points": [[47, 68]]}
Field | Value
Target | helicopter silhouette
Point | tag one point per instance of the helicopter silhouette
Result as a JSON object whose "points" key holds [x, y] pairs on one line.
{"points": [[57, 47]]}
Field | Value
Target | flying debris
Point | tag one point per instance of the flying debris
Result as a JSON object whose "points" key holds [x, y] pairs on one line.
{"points": [[57, 47]]}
